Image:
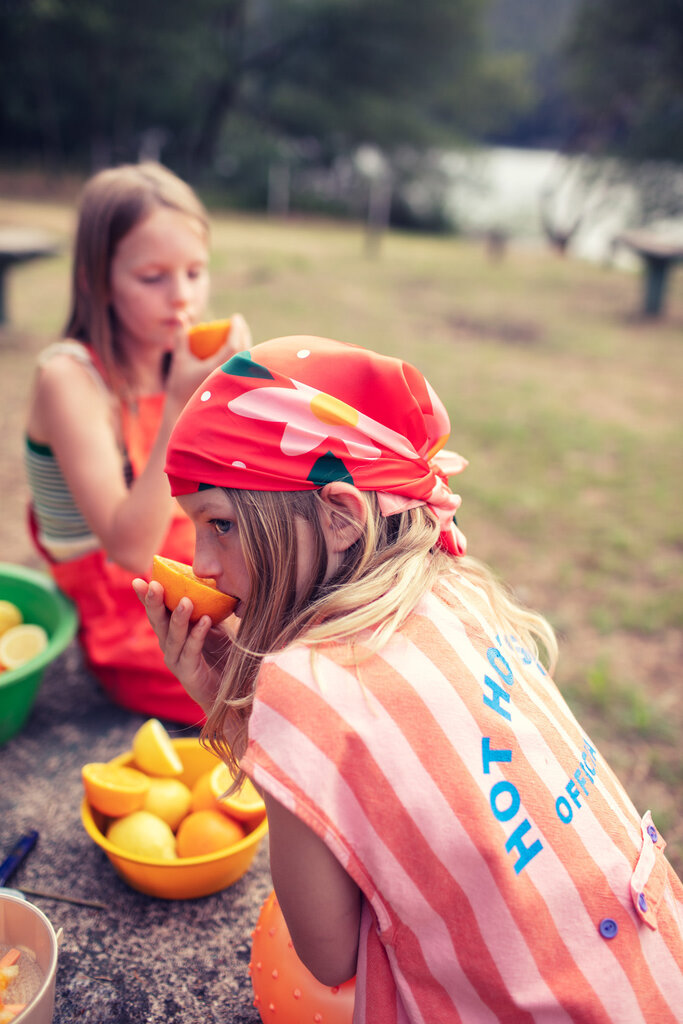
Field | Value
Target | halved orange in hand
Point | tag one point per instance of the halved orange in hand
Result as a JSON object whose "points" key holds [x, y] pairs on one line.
{"points": [[179, 581], [205, 339]]}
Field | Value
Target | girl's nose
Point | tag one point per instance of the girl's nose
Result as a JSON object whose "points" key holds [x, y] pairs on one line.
{"points": [[204, 564], [180, 289]]}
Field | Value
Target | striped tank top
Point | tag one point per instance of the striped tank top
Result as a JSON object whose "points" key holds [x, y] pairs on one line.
{"points": [[61, 528], [506, 876]]}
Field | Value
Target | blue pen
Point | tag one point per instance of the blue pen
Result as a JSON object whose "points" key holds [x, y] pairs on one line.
{"points": [[16, 855]]}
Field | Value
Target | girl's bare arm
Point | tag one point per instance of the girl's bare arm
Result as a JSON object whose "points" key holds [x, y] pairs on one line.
{"points": [[321, 903], [72, 414]]}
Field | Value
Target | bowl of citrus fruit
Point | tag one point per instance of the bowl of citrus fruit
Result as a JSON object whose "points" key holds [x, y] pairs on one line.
{"points": [[37, 623], [161, 814]]}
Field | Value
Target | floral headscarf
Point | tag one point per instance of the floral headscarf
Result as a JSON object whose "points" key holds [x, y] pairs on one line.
{"points": [[296, 413]]}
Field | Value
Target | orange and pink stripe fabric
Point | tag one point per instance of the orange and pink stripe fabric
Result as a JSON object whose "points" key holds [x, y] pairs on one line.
{"points": [[506, 874]]}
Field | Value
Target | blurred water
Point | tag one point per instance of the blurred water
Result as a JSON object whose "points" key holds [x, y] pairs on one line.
{"points": [[503, 189]]}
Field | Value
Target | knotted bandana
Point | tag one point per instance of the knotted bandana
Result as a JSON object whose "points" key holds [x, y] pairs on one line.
{"points": [[296, 413]]}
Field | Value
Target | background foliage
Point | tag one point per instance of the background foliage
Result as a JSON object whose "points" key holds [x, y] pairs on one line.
{"points": [[219, 87]]}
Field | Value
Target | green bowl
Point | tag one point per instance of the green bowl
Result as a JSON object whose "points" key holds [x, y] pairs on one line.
{"points": [[41, 602]]}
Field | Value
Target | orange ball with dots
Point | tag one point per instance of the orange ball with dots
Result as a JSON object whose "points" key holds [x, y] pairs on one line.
{"points": [[284, 990]]}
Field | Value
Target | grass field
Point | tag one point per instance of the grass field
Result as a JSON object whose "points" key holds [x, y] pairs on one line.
{"points": [[566, 403]]}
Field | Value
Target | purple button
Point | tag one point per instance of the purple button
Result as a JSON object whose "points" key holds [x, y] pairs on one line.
{"points": [[642, 902], [608, 928], [652, 832]]}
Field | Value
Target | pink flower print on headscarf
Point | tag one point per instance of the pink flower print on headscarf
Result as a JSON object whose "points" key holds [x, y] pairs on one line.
{"points": [[295, 413]]}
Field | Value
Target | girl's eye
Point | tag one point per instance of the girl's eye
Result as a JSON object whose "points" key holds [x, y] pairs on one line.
{"points": [[150, 278], [195, 273], [221, 526]]}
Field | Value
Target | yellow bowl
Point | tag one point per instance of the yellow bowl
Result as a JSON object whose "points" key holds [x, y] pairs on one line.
{"points": [[188, 877]]}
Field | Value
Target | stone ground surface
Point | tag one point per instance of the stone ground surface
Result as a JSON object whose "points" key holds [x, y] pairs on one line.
{"points": [[141, 959]]}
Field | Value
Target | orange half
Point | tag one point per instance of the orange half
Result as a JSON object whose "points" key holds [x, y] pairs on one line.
{"points": [[246, 804], [114, 790], [205, 339], [179, 581]]}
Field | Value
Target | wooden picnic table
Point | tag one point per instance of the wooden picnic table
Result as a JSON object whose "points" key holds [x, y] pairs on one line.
{"points": [[18, 245], [659, 252]]}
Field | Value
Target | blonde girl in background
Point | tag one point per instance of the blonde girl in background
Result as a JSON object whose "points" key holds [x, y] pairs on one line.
{"points": [[440, 825], [104, 402]]}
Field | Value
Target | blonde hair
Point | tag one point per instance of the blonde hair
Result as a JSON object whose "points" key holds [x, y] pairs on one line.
{"points": [[384, 574], [113, 202]]}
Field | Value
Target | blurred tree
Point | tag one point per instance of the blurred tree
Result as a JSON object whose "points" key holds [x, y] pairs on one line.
{"points": [[626, 67], [99, 80], [533, 33], [107, 80]]}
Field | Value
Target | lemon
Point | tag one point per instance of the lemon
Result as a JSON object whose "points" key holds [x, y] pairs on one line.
{"points": [[114, 789], [143, 835], [153, 749], [244, 804], [169, 799], [10, 616], [20, 644]]}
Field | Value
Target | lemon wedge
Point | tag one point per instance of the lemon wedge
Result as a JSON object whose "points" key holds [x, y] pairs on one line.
{"points": [[20, 644], [153, 750], [10, 616]]}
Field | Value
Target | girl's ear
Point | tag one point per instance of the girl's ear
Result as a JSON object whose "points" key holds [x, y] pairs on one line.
{"points": [[344, 514]]}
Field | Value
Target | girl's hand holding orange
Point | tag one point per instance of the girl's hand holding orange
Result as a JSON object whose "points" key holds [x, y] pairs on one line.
{"points": [[236, 339], [215, 341], [181, 642], [194, 354]]}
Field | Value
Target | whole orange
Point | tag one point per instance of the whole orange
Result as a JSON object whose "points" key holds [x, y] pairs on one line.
{"points": [[207, 338], [202, 794], [207, 831], [179, 581]]}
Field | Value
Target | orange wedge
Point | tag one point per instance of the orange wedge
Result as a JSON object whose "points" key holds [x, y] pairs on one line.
{"points": [[205, 339], [245, 804], [114, 790], [179, 581]]}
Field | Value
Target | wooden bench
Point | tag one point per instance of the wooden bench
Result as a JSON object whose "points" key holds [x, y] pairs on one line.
{"points": [[18, 245], [659, 252]]}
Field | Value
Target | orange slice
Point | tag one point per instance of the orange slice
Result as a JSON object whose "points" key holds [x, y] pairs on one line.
{"points": [[113, 789], [179, 581], [245, 804], [205, 339]]}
